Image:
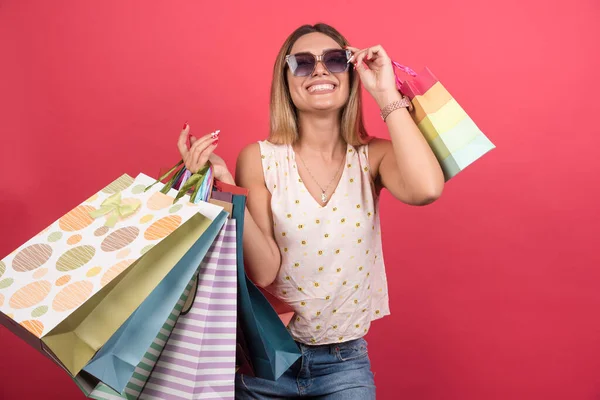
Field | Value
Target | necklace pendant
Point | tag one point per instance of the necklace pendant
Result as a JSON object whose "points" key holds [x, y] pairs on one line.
{"points": [[323, 197]]}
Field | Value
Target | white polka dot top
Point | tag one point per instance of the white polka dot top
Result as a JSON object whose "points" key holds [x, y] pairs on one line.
{"points": [[332, 272]]}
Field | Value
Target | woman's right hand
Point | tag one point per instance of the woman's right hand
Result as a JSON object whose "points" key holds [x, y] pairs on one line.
{"points": [[200, 152]]}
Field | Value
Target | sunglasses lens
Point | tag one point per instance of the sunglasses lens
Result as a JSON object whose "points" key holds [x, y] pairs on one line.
{"points": [[302, 64], [336, 61]]}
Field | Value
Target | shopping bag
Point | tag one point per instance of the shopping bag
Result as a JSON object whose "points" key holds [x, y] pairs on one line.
{"points": [[271, 349], [222, 196], [283, 310], [243, 365], [455, 139], [94, 389], [198, 361], [67, 290], [115, 362]]}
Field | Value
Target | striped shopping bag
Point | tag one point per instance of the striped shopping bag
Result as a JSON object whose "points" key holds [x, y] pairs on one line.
{"points": [[455, 139], [198, 361]]}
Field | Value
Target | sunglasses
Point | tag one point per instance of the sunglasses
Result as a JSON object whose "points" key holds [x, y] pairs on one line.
{"points": [[304, 64]]}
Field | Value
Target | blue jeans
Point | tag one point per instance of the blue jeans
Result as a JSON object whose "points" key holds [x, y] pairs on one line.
{"points": [[329, 372]]}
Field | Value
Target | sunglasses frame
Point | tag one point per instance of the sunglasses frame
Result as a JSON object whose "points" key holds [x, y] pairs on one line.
{"points": [[318, 58]]}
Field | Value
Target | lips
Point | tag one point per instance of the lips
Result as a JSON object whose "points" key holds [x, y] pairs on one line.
{"points": [[321, 87]]}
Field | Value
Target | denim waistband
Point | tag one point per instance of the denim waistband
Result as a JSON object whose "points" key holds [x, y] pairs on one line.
{"points": [[331, 347]]}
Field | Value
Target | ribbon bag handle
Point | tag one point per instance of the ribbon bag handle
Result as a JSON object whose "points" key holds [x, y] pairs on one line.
{"points": [[403, 68], [194, 181]]}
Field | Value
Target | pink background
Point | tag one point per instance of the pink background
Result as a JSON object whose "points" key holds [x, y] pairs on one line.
{"points": [[494, 289]]}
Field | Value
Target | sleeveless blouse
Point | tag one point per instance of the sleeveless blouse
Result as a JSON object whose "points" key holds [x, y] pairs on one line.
{"points": [[332, 272]]}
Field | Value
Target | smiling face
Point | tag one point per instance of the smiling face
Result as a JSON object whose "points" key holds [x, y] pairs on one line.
{"points": [[321, 90]]}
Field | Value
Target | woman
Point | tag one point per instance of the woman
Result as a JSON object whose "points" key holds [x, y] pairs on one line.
{"points": [[311, 233]]}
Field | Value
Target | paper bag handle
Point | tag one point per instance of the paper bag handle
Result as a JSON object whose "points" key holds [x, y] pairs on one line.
{"points": [[404, 69]]}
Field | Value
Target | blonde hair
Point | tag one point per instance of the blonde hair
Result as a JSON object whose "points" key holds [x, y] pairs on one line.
{"points": [[284, 120]]}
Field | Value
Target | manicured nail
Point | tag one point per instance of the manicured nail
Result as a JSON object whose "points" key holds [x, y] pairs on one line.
{"points": [[216, 142], [215, 134], [185, 125]]}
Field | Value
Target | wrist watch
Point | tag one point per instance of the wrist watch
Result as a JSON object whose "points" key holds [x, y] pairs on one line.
{"points": [[403, 103]]}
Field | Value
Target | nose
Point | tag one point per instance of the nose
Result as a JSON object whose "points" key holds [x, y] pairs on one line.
{"points": [[320, 68]]}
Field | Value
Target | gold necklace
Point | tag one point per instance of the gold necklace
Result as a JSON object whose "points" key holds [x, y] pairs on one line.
{"points": [[323, 191]]}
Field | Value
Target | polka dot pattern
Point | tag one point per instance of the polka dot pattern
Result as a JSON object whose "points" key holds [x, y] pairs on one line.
{"points": [[328, 251], [123, 253], [40, 273], [38, 312], [159, 201], [103, 230], [32, 257], [146, 218], [120, 238], [63, 280], [44, 280], [5, 283], [77, 219], [114, 271], [147, 249], [93, 272], [75, 258], [92, 199], [30, 295], [119, 185], [55, 237], [163, 227], [34, 326], [175, 208], [74, 239], [138, 189], [72, 296]]}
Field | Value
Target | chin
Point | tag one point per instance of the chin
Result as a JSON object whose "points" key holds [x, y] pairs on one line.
{"points": [[324, 105]]}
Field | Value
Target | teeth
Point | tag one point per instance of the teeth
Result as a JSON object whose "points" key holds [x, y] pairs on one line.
{"points": [[318, 88]]}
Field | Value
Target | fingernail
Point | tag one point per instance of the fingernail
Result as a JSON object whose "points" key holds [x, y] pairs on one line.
{"points": [[185, 125], [215, 134], [216, 142]]}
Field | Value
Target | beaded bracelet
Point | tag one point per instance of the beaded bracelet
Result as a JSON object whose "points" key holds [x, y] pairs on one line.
{"points": [[404, 103]]}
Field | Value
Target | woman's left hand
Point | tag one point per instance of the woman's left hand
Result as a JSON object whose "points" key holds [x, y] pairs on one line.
{"points": [[376, 73]]}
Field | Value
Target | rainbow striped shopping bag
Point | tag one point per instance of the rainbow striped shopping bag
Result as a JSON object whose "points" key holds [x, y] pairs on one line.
{"points": [[455, 139]]}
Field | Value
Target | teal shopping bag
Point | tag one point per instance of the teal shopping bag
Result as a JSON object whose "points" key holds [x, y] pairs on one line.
{"points": [[270, 347]]}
